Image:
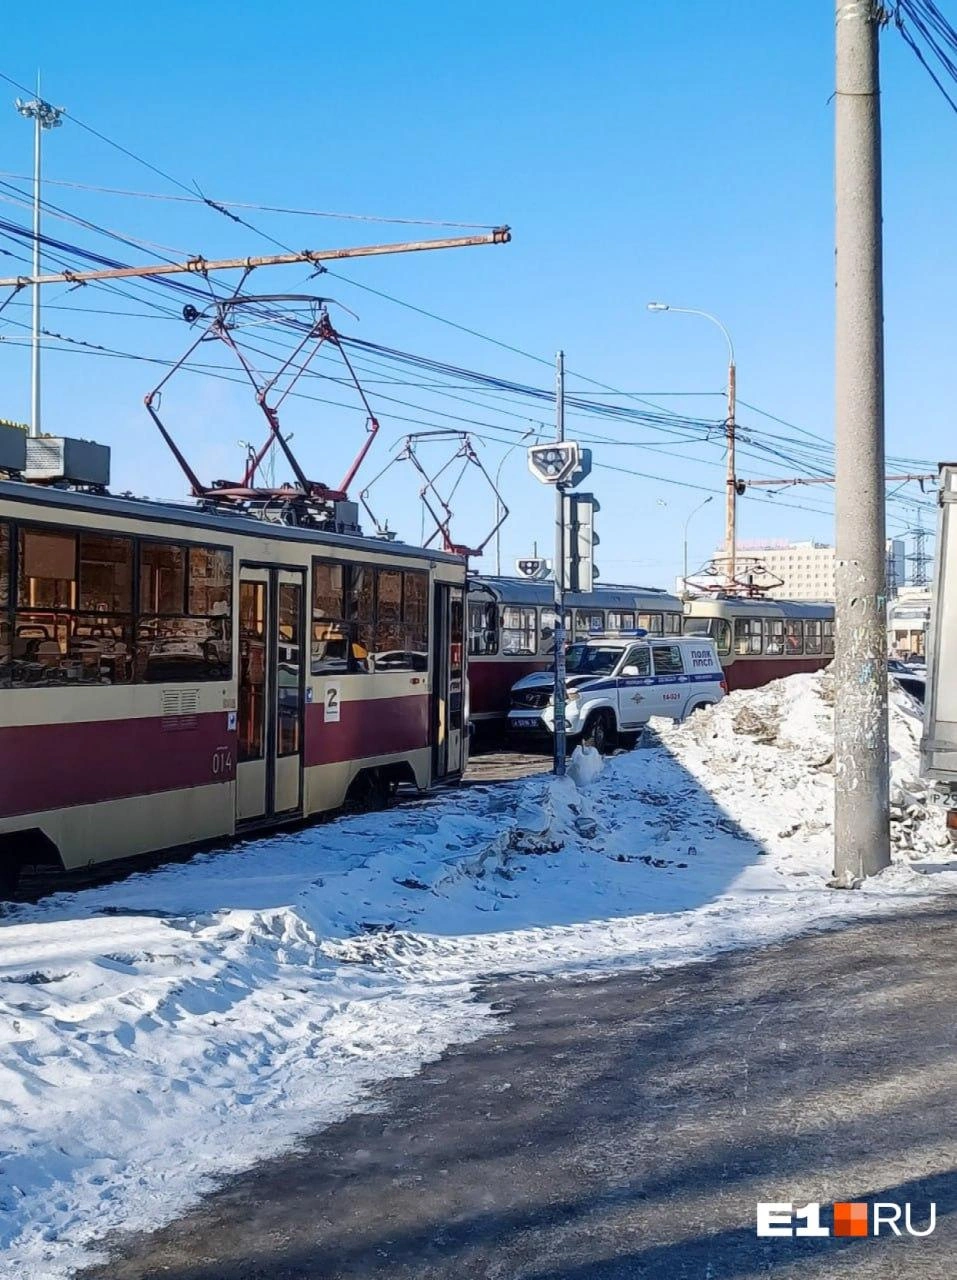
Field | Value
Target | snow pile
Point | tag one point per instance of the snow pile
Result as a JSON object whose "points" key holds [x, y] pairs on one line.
{"points": [[585, 766], [162, 1032], [769, 752]]}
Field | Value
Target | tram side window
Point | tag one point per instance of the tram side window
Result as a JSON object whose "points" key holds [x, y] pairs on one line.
{"points": [[483, 629], [401, 629], [360, 611], [388, 626], [698, 626], [546, 638], [827, 628], [519, 631], [673, 624], [74, 605], [5, 631], [369, 619], [588, 622], [721, 631], [747, 635], [812, 635], [652, 622], [794, 637], [774, 629], [330, 630], [415, 617], [184, 631], [620, 621]]}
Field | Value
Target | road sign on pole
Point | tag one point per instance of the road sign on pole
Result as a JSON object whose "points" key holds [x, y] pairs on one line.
{"points": [[554, 463], [532, 567]]}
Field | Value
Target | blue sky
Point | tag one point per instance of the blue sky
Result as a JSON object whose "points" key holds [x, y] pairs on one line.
{"points": [[638, 151]]}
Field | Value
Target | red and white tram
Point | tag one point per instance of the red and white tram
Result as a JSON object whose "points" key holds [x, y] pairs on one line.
{"points": [[511, 627], [760, 639], [172, 675]]}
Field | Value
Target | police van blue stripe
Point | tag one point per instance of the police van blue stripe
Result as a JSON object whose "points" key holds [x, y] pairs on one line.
{"points": [[629, 682]]}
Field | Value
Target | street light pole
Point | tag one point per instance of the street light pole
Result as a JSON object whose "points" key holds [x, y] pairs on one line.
{"points": [[498, 501], [709, 498], [44, 117], [558, 698], [731, 503]]}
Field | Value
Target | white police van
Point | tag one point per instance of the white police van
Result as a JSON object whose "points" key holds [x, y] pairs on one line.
{"points": [[617, 683]]}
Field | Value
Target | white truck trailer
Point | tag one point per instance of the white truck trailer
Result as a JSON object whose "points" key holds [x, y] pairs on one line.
{"points": [[939, 743]]}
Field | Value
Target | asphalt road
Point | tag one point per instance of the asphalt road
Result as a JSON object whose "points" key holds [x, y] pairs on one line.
{"points": [[626, 1127]]}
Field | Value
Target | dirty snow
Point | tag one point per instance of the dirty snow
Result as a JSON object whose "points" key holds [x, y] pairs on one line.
{"points": [[163, 1032]]}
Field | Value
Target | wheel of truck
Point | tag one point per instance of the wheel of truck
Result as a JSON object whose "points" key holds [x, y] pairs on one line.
{"points": [[600, 731]]}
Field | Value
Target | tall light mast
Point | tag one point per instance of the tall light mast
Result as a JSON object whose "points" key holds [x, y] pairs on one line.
{"points": [[44, 116]]}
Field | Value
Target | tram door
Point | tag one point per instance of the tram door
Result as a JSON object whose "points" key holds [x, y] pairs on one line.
{"points": [[448, 690], [271, 693]]}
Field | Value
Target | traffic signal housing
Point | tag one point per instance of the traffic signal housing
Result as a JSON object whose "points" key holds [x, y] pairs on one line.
{"points": [[578, 571]]}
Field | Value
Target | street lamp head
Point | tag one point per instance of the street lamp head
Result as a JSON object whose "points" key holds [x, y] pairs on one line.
{"points": [[47, 117], [658, 306]]}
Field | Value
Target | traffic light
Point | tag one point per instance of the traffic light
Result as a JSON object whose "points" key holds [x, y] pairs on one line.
{"points": [[554, 463], [579, 570]]}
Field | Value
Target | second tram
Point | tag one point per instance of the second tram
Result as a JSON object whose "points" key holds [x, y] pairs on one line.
{"points": [[760, 640], [511, 630]]}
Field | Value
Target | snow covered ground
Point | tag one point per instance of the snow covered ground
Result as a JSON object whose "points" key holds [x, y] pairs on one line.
{"points": [[162, 1032]]}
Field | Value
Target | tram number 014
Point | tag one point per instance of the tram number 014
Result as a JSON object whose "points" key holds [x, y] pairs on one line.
{"points": [[223, 762]]}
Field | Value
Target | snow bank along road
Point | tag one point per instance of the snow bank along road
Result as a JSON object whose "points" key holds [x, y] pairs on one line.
{"points": [[624, 1126], [161, 1033]]}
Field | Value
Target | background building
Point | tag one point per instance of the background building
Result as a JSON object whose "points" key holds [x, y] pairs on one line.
{"points": [[806, 569], [908, 617]]}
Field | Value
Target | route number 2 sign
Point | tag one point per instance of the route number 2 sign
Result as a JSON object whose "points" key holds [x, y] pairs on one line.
{"points": [[332, 704]]}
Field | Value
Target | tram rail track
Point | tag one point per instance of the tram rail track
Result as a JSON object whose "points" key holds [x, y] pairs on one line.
{"points": [[493, 763]]}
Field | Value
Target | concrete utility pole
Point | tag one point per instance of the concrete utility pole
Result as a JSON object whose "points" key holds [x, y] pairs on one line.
{"points": [[861, 766], [44, 117], [558, 698]]}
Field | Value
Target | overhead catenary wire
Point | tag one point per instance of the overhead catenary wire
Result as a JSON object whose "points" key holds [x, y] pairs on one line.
{"points": [[813, 455], [222, 207], [218, 206], [671, 421], [389, 219]]}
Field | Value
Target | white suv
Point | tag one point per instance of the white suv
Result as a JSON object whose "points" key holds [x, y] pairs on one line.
{"points": [[616, 685]]}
